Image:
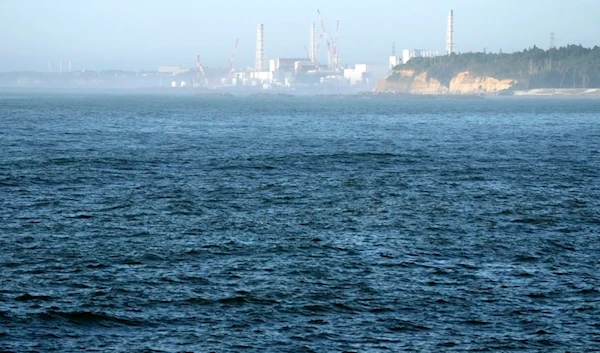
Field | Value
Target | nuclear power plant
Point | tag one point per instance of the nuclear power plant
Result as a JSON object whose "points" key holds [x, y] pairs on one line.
{"points": [[307, 70]]}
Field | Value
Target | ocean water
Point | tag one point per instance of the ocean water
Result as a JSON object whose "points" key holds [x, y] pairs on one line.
{"points": [[147, 223]]}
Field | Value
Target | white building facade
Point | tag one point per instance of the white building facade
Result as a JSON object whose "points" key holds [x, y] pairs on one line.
{"points": [[408, 54], [394, 61], [358, 75]]}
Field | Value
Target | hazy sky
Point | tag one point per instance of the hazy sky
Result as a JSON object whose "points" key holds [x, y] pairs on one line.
{"points": [[143, 34]]}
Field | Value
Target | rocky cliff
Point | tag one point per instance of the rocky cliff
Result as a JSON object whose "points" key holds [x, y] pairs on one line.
{"points": [[410, 82]]}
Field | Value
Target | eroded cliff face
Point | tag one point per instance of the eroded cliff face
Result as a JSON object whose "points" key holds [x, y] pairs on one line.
{"points": [[465, 83], [406, 81]]}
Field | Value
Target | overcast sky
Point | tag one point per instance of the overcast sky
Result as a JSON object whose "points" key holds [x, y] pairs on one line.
{"points": [[143, 34]]}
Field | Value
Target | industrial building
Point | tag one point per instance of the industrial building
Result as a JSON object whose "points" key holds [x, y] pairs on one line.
{"points": [[172, 70], [408, 54], [358, 75], [394, 61], [290, 64]]}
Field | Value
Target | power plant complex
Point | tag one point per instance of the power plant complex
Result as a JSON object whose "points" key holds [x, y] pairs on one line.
{"points": [[298, 72]]}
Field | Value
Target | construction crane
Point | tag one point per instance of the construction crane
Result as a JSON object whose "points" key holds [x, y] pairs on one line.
{"points": [[201, 73], [336, 57], [326, 36], [232, 60]]}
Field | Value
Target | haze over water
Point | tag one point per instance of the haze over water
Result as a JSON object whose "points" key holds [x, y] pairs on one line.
{"points": [[144, 34], [172, 224]]}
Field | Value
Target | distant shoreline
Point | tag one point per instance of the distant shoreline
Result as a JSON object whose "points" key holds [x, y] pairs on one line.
{"points": [[559, 92], [573, 93]]}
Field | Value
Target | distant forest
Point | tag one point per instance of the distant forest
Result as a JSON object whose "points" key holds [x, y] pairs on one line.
{"points": [[572, 66]]}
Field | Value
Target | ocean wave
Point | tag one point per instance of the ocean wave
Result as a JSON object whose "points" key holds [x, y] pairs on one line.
{"points": [[28, 297], [89, 318]]}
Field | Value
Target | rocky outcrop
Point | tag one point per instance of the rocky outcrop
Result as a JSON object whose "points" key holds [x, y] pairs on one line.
{"points": [[407, 81]]}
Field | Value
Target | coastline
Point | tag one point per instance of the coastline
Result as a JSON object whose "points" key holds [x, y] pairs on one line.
{"points": [[543, 93], [559, 92]]}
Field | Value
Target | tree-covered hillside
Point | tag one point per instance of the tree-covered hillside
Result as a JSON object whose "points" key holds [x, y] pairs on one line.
{"points": [[568, 67]]}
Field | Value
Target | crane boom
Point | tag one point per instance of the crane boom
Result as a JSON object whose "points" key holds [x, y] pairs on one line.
{"points": [[321, 21], [335, 46], [232, 59], [200, 70], [326, 35]]}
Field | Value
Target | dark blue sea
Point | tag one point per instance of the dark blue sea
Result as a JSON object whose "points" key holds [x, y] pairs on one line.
{"points": [[148, 223]]}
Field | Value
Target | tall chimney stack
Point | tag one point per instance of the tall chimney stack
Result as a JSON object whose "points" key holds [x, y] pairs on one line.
{"points": [[260, 49], [313, 44], [450, 34]]}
